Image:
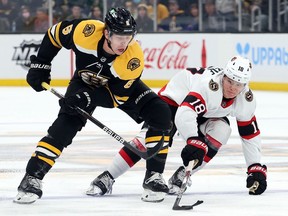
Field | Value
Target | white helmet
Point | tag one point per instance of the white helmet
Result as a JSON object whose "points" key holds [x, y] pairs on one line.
{"points": [[239, 69]]}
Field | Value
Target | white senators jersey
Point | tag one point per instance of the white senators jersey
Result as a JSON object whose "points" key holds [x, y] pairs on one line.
{"points": [[198, 92]]}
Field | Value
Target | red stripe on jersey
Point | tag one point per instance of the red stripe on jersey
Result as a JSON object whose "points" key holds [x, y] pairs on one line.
{"points": [[213, 141], [245, 123], [195, 102], [206, 159], [161, 90], [248, 129], [166, 99], [251, 136], [126, 157]]}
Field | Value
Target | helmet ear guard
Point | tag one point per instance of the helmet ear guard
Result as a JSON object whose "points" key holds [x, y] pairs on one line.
{"points": [[120, 21], [239, 69]]}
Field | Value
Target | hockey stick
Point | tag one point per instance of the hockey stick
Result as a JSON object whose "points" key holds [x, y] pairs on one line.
{"points": [[142, 152], [186, 182]]}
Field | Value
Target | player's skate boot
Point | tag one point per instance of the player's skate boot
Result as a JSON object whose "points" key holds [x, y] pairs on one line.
{"points": [[176, 180], [154, 186], [101, 185], [29, 190]]}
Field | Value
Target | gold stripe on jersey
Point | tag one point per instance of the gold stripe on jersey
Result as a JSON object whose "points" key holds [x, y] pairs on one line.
{"points": [[87, 34], [163, 151], [121, 99], [156, 139], [49, 161], [49, 147], [53, 33]]}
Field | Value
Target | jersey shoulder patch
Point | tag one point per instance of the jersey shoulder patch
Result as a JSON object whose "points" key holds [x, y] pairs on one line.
{"points": [[130, 64], [87, 34], [213, 86], [249, 96]]}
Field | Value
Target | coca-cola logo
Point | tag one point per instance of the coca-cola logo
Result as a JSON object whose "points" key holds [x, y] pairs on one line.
{"points": [[170, 56]]}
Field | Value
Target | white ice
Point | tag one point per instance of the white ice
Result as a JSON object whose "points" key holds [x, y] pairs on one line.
{"points": [[26, 115]]}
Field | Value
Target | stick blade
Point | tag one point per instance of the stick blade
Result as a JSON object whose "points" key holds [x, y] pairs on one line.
{"points": [[176, 205]]}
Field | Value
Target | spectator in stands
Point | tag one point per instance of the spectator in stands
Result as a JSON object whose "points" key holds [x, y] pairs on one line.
{"points": [[6, 11], [162, 10], [193, 18], [212, 22], [130, 6], [96, 13], [144, 22], [25, 20], [76, 13], [41, 23], [227, 9], [177, 20], [262, 6], [62, 12]]}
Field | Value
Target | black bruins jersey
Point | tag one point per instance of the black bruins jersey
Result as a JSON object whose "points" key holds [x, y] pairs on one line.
{"points": [[85, 38]]}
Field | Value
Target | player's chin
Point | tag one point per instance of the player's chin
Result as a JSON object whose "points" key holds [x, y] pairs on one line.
{"points": [[120, 51], [229, 95]]}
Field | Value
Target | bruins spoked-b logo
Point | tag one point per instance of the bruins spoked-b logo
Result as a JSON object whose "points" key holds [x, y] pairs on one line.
{"points": [[88, 30], [133, 64], [214, 86]]}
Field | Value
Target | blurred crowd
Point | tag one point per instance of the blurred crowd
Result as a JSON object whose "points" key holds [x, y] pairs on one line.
{"points": [[26, 16]]}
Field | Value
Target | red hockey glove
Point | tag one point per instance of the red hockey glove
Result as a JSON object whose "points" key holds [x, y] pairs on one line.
{"points": [[256, 180], [195, 149]]}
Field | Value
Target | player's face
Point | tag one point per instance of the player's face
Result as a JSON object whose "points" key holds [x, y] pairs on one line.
{"points": [[119, 43], [231, 88]]}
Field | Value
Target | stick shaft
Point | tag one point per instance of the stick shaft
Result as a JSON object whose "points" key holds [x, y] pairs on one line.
{"points": [[143, 154]]}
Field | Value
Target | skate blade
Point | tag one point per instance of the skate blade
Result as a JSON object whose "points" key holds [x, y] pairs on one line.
{"points": [[151, 196], [25, 198]]}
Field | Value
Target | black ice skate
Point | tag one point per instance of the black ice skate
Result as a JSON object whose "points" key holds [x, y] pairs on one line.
{"points": [[101, 185], [176, 180], [29, 190], [154, 186]]}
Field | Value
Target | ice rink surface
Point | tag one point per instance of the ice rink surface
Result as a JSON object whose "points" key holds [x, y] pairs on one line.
{"points": [[26, 115]]}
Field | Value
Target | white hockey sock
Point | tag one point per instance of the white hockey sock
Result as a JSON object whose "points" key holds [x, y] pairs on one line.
{"points": [[120, 164]]}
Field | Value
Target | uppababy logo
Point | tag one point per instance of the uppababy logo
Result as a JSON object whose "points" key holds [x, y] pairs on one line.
{"points": [[23, 52], [274, 55]]}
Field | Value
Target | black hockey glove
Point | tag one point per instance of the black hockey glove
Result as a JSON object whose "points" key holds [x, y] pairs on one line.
{"points": [[195, 149], [256, 180], [81, 100], [39, 72]]}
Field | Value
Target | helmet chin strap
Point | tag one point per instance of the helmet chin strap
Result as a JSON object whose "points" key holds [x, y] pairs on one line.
{"points": [[109, 44]]}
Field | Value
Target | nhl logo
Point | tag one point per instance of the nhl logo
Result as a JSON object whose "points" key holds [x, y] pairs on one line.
{"points": [[23, 52]]}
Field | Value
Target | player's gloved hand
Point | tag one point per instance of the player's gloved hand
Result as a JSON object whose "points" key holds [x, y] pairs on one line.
{"points": [[195, 149], [81, 100], [256, 180], [39, 72], [92, 78]]}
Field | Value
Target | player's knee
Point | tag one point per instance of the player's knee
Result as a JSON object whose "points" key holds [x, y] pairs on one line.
{"points": [[216, 131], [64, 129], [157, 114]]}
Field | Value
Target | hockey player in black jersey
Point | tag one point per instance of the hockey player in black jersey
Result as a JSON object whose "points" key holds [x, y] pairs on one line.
{"points": [[109, 64]]}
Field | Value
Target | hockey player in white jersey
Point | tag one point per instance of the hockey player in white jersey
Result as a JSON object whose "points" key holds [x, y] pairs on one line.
{"points": [[200, 100]]}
